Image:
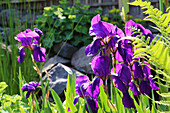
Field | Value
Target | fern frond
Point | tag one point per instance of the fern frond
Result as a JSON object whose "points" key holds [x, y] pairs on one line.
{"points": [[157, 52]]}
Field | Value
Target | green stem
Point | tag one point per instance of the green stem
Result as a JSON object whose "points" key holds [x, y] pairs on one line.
{"points": [[33, 102], [40, 75], [161, 5]]}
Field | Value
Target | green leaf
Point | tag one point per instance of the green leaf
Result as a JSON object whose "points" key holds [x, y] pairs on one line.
{"points": [[70, 104], [81, 29], [164, 94], [47, 108], [140, 50], [139, 109], [163, 73], [104, 99], [37, 104], [167, 20], [68, 35], [155, 47], [3, 85], [164, 56], [158, 52], [126, 6], [57, 101]]}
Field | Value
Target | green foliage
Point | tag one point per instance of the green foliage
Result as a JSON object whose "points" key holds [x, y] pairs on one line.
{"points": [[158, 51], [9, 65], [9, 103], [62, 22], [114, 17]]}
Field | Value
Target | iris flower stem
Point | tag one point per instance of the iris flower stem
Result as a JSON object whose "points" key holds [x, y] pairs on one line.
{"points": [[114, 62], [105, 87], [40, 75], [47, 91], [33, 102]]}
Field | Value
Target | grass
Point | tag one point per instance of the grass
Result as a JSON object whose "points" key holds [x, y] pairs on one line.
{"points": [[9, 66]]}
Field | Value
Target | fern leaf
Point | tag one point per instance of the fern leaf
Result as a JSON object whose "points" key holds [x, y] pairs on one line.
{"points": [[163, 57], [162, 18], [155, 47], [158, 51], [168, 29], [163, 73], [164, 94], [167, 20]]}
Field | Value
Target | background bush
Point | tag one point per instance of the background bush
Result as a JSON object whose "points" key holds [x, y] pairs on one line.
{"points": [[61, 23]]}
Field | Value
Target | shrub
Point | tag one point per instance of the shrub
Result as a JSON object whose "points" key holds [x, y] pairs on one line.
{"points": [[62, 22]]}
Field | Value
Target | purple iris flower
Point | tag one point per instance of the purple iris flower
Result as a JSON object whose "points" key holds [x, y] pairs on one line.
{"points": [[40, 33], [31, 86], [88, 91], [106, 33], [138, 72], [93, 48], [101, 65], [124, 73], [152, 83], [127, 100], [39, 53], [124, 53], [144, 87], [26, 38], [119, 84], [100, 28], [82, 83], [146, 69], [92, 104], [134, 88], [145, 32], [143, 74]]}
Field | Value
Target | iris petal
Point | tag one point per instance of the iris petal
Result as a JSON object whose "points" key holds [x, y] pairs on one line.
{"points": [[25, 39], [39, 53], [21, 55], [119, 84], [152, 84], [128, 30], [92, 104], [144, 87], [134, 88], [93, 89], [124, 73], [95, 19], [146, 69], [99, 30], [38, 31], [29, 87], [100, 65], [82, 83], [127, 100], [28, 94], [138, 72], [119, 32], [92, 48]]}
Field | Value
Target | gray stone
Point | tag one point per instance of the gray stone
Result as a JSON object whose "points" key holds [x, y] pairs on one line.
{"points": [[81, 62], [54, 61], [65, 50], [58, 77]]}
